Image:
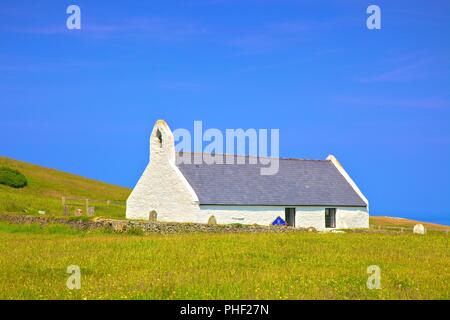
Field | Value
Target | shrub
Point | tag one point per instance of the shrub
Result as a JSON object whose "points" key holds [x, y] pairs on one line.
{"points": [[12, 178]]}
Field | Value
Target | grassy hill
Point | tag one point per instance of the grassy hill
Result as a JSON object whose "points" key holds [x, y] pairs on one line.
{"points": [[46, 187], [395, 223]]}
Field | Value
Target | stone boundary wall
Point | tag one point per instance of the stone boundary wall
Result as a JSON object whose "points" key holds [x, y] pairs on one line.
{"points": [[146, 227]]}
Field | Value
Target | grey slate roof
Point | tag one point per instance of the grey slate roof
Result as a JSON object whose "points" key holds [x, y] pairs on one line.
{"points": [[298, 183]]}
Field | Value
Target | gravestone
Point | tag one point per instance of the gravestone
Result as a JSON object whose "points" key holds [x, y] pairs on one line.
{"points": [[91, 211], [212, 220], [419, 229], [153, 216]]}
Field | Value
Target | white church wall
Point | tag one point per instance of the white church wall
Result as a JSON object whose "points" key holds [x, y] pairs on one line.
{"points": [[352, 218], [262, 215], [162, 187], [346, 217]]}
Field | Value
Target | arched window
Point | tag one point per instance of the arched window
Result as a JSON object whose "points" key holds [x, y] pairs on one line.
{"points": [[159, 136]]}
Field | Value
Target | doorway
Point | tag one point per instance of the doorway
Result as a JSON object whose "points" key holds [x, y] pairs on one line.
{"points": [[289, 215]]}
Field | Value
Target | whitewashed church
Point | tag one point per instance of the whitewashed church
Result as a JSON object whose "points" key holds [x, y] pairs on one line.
{"points": [[302, 194]]}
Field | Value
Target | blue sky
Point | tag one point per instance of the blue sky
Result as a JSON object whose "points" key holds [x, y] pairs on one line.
{"points": [[84, 101]]}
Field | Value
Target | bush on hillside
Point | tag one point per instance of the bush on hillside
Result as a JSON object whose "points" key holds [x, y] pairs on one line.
{"points": [[12, 178]]}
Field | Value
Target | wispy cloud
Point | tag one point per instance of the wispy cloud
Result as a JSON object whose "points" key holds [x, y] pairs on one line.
{"points": [[405, 103], [278, 35], [187, 86], [62, 65], [151, 27], [156, 28], [267, 37], [407, 72], [406, 68]]}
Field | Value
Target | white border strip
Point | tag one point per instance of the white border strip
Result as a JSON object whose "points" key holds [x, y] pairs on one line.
{"points": [[341, 169]]}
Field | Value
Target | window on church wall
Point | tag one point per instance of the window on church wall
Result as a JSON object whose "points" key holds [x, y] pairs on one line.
{"points": [[330, 218], [289, 216]]}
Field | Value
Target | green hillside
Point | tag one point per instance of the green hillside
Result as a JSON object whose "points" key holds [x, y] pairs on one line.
{"points": [[46, 187]]}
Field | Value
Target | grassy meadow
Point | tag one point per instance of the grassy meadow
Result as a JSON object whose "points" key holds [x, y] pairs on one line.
{"points": [[47, 186], [298, 265]]}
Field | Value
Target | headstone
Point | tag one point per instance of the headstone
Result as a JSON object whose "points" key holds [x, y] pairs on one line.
{"points": [[212, 220], [41, 212], [91, 211], [419, 229], [153, 216]]}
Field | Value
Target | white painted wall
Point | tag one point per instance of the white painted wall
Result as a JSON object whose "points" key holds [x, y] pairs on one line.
{"points": [[346, 217], [262, 215], [163, 188]]}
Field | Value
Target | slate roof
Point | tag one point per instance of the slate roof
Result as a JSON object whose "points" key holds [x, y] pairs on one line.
{"points": [[298, 183]]}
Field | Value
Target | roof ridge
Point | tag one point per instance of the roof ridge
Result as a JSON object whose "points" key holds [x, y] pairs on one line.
{"points": [[250, 156]]}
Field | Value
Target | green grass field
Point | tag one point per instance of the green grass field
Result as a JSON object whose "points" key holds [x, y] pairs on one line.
{"points": [[47, 186], [297, 265], [221, 266]]}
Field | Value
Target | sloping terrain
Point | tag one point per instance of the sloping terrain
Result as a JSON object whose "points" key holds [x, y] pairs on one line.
{"points": [[384, 222], [46, 187]]}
